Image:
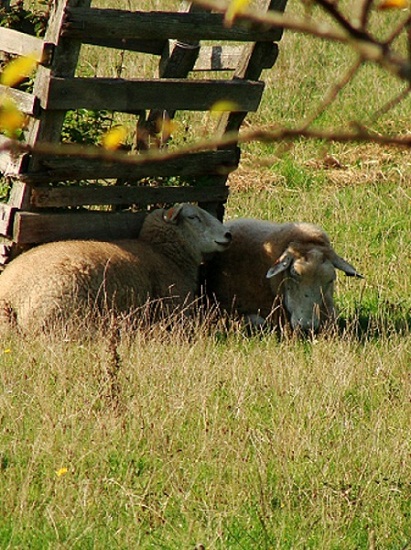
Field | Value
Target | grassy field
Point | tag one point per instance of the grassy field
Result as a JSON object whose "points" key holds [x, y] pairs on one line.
{"points": [[214, 439]]}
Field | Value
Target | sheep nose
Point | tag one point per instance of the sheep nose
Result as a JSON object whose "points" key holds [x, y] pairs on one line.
{"points": [[228, 236]]}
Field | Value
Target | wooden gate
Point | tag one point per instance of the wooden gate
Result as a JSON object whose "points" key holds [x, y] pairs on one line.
{"points": [[190, 42]]}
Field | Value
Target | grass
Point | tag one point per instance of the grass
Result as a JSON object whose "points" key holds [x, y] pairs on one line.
{"points": [[217, 439], [231, 442]]}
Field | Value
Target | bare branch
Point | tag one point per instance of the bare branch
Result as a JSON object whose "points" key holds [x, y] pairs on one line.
{"points": [[365, 45], [332, 94], [365, 13], [331, 9], [390, 104], [403, 25], [359, 134]]}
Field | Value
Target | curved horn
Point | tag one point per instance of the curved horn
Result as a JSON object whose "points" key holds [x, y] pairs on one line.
{"points": [[280, 265], [344, 266]]}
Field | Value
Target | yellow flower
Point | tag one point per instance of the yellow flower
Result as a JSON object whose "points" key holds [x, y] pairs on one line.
{"points": [[7, 350], [223, 105], [61, 472], [11, 119], [393, 4], [235, 7], [114, 137], [17, 70]]}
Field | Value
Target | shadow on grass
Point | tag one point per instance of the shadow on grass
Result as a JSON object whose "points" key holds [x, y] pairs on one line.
{"points": [[364, 323], [368, 322]]}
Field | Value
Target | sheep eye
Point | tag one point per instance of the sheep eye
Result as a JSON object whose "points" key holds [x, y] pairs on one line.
{"points": [[193, 217]]}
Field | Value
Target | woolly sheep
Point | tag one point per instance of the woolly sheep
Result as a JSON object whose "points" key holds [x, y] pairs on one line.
{"points": [[53, 283], [272, 271]]}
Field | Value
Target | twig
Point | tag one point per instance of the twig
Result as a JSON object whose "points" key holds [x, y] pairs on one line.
{"points": [[396, 32], [274, 134], [365, 13], [332, 94], [354, 32], [366, 46], [390, 104]]}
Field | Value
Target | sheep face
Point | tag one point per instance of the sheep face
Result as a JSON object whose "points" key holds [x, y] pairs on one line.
{"points": [[199, 227], [307, 286]]}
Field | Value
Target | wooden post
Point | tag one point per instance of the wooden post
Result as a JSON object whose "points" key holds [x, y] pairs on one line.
{"points": [[48, 127]]}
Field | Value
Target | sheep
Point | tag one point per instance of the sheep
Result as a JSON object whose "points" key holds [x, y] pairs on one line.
{"points": [[47, 286], [276, 272]]}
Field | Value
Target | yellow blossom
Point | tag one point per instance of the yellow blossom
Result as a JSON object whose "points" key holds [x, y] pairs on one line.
{"points": [[393, 4], [114, 138], [11, 118], [61, 472], [235, 7], [223, 105], [17, 70]]}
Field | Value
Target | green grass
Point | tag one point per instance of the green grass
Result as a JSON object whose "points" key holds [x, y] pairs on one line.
{"points": [[214, 438], [233, 443]]}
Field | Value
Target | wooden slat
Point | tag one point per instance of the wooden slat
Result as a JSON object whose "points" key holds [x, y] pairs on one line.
{"points": [[154, 47], [48, 197], [26, 103], [86, 24], [31, 227], [218, 58], [6, 218], [227, 58], [11, 163], [19, 43], [250, 68], [64, 63], [135, 95], [54, 169]]}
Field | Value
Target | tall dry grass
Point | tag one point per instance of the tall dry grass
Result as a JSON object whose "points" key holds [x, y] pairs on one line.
{"points": [[203, 437]]}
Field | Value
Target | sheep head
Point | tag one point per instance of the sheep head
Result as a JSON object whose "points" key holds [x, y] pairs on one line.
{"points": [[307, 283], [199, 227]]}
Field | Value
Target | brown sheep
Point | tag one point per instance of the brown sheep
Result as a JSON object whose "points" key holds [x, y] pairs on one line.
{"points": [[277, 272]]}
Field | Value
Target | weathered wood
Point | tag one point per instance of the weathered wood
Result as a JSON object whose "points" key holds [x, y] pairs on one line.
{"points": [[20, 195], [64, 64], [183, 54], [218, 58], [54, 169], [11, 162], [6, 219], [26, 103], [82, 23], [154, 47], [94, 195], [26, 218], [227, 58], [136, 95], [19, 43], [32, 227], [251, 67]]}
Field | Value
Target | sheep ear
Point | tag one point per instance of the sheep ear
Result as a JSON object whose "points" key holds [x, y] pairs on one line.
{"points": [[171, 215], [280, 265], [344, 266]]}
